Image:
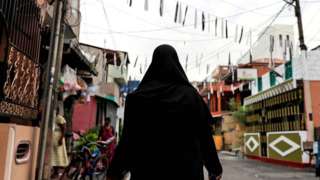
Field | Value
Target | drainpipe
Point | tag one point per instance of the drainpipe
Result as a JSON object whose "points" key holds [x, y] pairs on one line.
{"points": [[47, 120]]}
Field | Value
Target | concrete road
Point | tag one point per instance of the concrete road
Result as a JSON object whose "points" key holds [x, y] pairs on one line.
{"points": [[244, 169], [239, 169]]}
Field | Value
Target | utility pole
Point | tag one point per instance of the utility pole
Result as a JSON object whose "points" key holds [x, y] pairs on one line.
{"points": [[54, 60], [297, 8]]}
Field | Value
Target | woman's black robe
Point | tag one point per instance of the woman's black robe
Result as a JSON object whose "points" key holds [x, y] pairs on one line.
{"points": [[166, 132]]}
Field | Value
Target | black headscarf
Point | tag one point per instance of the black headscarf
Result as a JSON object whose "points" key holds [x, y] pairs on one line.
{"points": [[166, 132], [165, 70]]}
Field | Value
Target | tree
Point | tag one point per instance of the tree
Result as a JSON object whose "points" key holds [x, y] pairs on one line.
{"points": [[238, 112]]}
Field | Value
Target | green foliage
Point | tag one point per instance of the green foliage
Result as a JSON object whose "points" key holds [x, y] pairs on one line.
{"points": [[238, 112], [90, 137]]}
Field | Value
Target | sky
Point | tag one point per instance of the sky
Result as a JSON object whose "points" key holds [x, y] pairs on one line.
{"points": [[112, 24]]}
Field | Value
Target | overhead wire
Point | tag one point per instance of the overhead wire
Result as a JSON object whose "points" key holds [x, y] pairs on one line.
{"points": [[176, 27], [266, 29], [186, 25], [153, 30], [159, 39], [173, 28], [107, 19], [273, 18], [212, 54], [251, 10]]}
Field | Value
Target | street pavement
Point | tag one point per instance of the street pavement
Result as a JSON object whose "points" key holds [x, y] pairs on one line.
{"points": [[244, 169], [235, 168]]}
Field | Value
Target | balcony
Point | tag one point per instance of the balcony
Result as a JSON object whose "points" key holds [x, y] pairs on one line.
{"points": [[117, 73], [109, 91]]}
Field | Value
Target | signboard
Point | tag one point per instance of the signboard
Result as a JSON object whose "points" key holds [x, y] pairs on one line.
{"points": [[252, 144], [247, 74], [288, 146]]}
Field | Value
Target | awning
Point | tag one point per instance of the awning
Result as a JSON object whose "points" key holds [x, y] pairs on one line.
{"points": [[109, 98], [77, 60], [273, 91]]}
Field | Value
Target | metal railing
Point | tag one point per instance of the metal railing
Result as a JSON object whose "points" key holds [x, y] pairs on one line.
{"points": [[20, 71], [22, 18]]}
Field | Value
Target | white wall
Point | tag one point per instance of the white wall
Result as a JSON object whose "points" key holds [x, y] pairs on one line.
{"points": [[307, 66], [260, 49]]}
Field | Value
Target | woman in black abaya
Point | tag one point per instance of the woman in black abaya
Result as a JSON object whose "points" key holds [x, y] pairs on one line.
{"points": [[166, 133]]}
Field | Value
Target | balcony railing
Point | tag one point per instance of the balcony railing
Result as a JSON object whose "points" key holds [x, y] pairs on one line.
{"points": [[19, 70], [118, 73]]}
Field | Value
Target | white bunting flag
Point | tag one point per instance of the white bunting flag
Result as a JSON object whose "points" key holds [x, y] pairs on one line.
{"points": [[161, 8], [135, 62], [180, 13], [195, 18], [185, 16], [236, 34], [146, 5]]}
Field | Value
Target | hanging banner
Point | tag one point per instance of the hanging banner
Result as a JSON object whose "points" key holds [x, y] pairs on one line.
{"points": [[195, 18], [176, 13], [146, 5], [241, 34], [185, 15], [161, 8], [135, 62], [203, 21], [222, 27], [186, 65], [227, 29], [141, 68], [216, 27], [236, 34], [247, 74], [209, 22], [280, 40], [180, 13], [115, 59]]}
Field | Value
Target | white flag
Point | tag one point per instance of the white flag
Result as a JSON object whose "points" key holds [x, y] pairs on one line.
{"points": [[236, 34], [195, 18], [180, 13], [146, 5]]}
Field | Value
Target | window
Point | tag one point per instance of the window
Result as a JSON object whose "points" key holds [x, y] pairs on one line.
{"points": [[259, 84], [272, 78], [288, 70]]}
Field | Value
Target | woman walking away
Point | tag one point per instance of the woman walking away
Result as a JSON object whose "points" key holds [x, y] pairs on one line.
{"points": [[166, 133], [59, 157]]}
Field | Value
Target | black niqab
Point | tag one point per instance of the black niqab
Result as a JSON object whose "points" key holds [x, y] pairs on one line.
{"points": [[166, 132]]}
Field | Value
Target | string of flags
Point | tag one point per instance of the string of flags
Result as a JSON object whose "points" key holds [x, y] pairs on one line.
{"points": [[181, 12], [218, 26]]}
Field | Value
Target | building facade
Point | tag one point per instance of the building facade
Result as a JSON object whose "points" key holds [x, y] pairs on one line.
{"points": [[20, 75], [105, 99], [283, 118]]}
